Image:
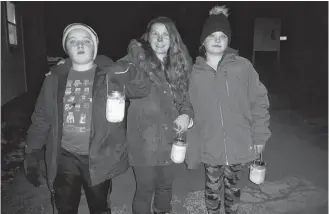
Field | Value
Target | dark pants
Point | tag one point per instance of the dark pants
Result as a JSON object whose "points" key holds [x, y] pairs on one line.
{"points": [[72, 175], [222, 181], [157, 180]]}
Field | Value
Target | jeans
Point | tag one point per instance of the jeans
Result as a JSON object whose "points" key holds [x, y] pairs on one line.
{"points": [[222, 180], [72, 175], [157, 180]]}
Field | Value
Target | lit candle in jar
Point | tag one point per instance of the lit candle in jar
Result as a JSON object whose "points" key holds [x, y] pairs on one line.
{"points": [[178, 150], [257, 172], [115, 107]]}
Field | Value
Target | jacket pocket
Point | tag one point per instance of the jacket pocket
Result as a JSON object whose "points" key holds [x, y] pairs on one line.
{"points": [[241, 135]]}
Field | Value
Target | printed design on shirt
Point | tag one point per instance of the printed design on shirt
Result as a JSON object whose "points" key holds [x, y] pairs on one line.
{"points": [[68, 91], [86, 91], [83, 118], [69, 84], [77, 83], [68, 107], [70, 118], [87, 82], [77, 105], [71, 99], [77, 91]]}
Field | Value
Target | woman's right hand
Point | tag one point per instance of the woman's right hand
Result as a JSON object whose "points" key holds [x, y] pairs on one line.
{"points": [[136, 51], [123, 72]]}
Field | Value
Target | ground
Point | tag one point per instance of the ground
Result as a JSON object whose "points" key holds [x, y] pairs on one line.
{"points": [[296, 178]]}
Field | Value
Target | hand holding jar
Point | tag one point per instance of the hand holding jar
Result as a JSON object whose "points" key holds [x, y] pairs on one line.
{"points": [[182, 122]]}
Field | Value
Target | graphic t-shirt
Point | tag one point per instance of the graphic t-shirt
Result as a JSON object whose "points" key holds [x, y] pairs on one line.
{"points": [[77, 111]]}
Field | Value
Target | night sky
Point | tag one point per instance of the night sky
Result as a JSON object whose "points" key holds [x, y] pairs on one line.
{"points": [[302, 72]]}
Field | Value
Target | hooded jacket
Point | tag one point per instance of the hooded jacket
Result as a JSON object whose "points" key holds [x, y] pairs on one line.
{"points": [[108, 155], [150, 131], [231, 112]]}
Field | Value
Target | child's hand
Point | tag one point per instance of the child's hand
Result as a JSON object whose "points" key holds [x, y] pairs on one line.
{"points": [[259, 148], [182, 122], [136, 50]]}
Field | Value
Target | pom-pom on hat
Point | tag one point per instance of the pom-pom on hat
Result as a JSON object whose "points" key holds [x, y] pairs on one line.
{"points": [[217, 21], [74, 26]]}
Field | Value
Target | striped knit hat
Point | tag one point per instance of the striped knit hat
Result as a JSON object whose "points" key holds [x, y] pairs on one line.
{"points": [[74, 26]]}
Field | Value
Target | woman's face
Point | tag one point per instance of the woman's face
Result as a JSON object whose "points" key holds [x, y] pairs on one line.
{"points": [[80, 46], [216, 43], [159, 38]]}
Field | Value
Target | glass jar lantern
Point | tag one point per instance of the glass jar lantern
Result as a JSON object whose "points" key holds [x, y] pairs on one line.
{"points": [[257, 171], [178, 150], [115, 105]]}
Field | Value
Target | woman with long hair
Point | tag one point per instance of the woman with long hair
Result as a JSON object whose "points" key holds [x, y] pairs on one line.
{"points": [[156, 120]]}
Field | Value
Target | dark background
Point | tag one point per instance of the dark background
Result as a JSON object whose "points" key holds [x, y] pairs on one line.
{"points": [[304, 56], [301, 77]]}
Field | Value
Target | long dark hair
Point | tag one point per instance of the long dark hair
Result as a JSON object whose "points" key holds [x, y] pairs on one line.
{"points": [[178, 63]]}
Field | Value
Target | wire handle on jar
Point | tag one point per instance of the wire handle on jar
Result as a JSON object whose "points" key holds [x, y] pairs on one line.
{"points": [[124, 91], [107, 87], [261, 156]]}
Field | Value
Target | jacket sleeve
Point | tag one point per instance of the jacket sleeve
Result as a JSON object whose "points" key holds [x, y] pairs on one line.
{"points": [[137, 85], [259, 105], [185, 107], [101, 61], [40, 126]]}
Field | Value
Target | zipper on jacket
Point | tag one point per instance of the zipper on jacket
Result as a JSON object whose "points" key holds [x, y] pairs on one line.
{"points": [[228, 91], [222, 120], [221, 116], [228, 95], [221, 112]]}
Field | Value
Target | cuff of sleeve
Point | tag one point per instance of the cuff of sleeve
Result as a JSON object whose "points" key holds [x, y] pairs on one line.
{"points": [[187, 112], [259, 143], [191, 123]]}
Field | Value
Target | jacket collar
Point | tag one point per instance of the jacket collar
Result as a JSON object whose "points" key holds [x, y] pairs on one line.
{"points": [[229, 56], [63, 69]]}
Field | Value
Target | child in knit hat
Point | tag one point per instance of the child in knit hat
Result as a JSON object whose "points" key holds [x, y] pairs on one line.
{"points": [[231, 108], [80, 42], [83, 149]]}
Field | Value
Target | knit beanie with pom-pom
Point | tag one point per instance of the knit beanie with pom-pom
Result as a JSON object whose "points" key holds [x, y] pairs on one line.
{"points": [[217, 21]]}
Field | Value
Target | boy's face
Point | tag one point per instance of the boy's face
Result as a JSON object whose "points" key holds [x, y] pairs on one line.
{"points": [[80, 46], [216, 43]]}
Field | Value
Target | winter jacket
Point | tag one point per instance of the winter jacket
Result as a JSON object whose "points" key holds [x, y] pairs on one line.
{"points": [[231, 112], [108, 149], [150, 131]]}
